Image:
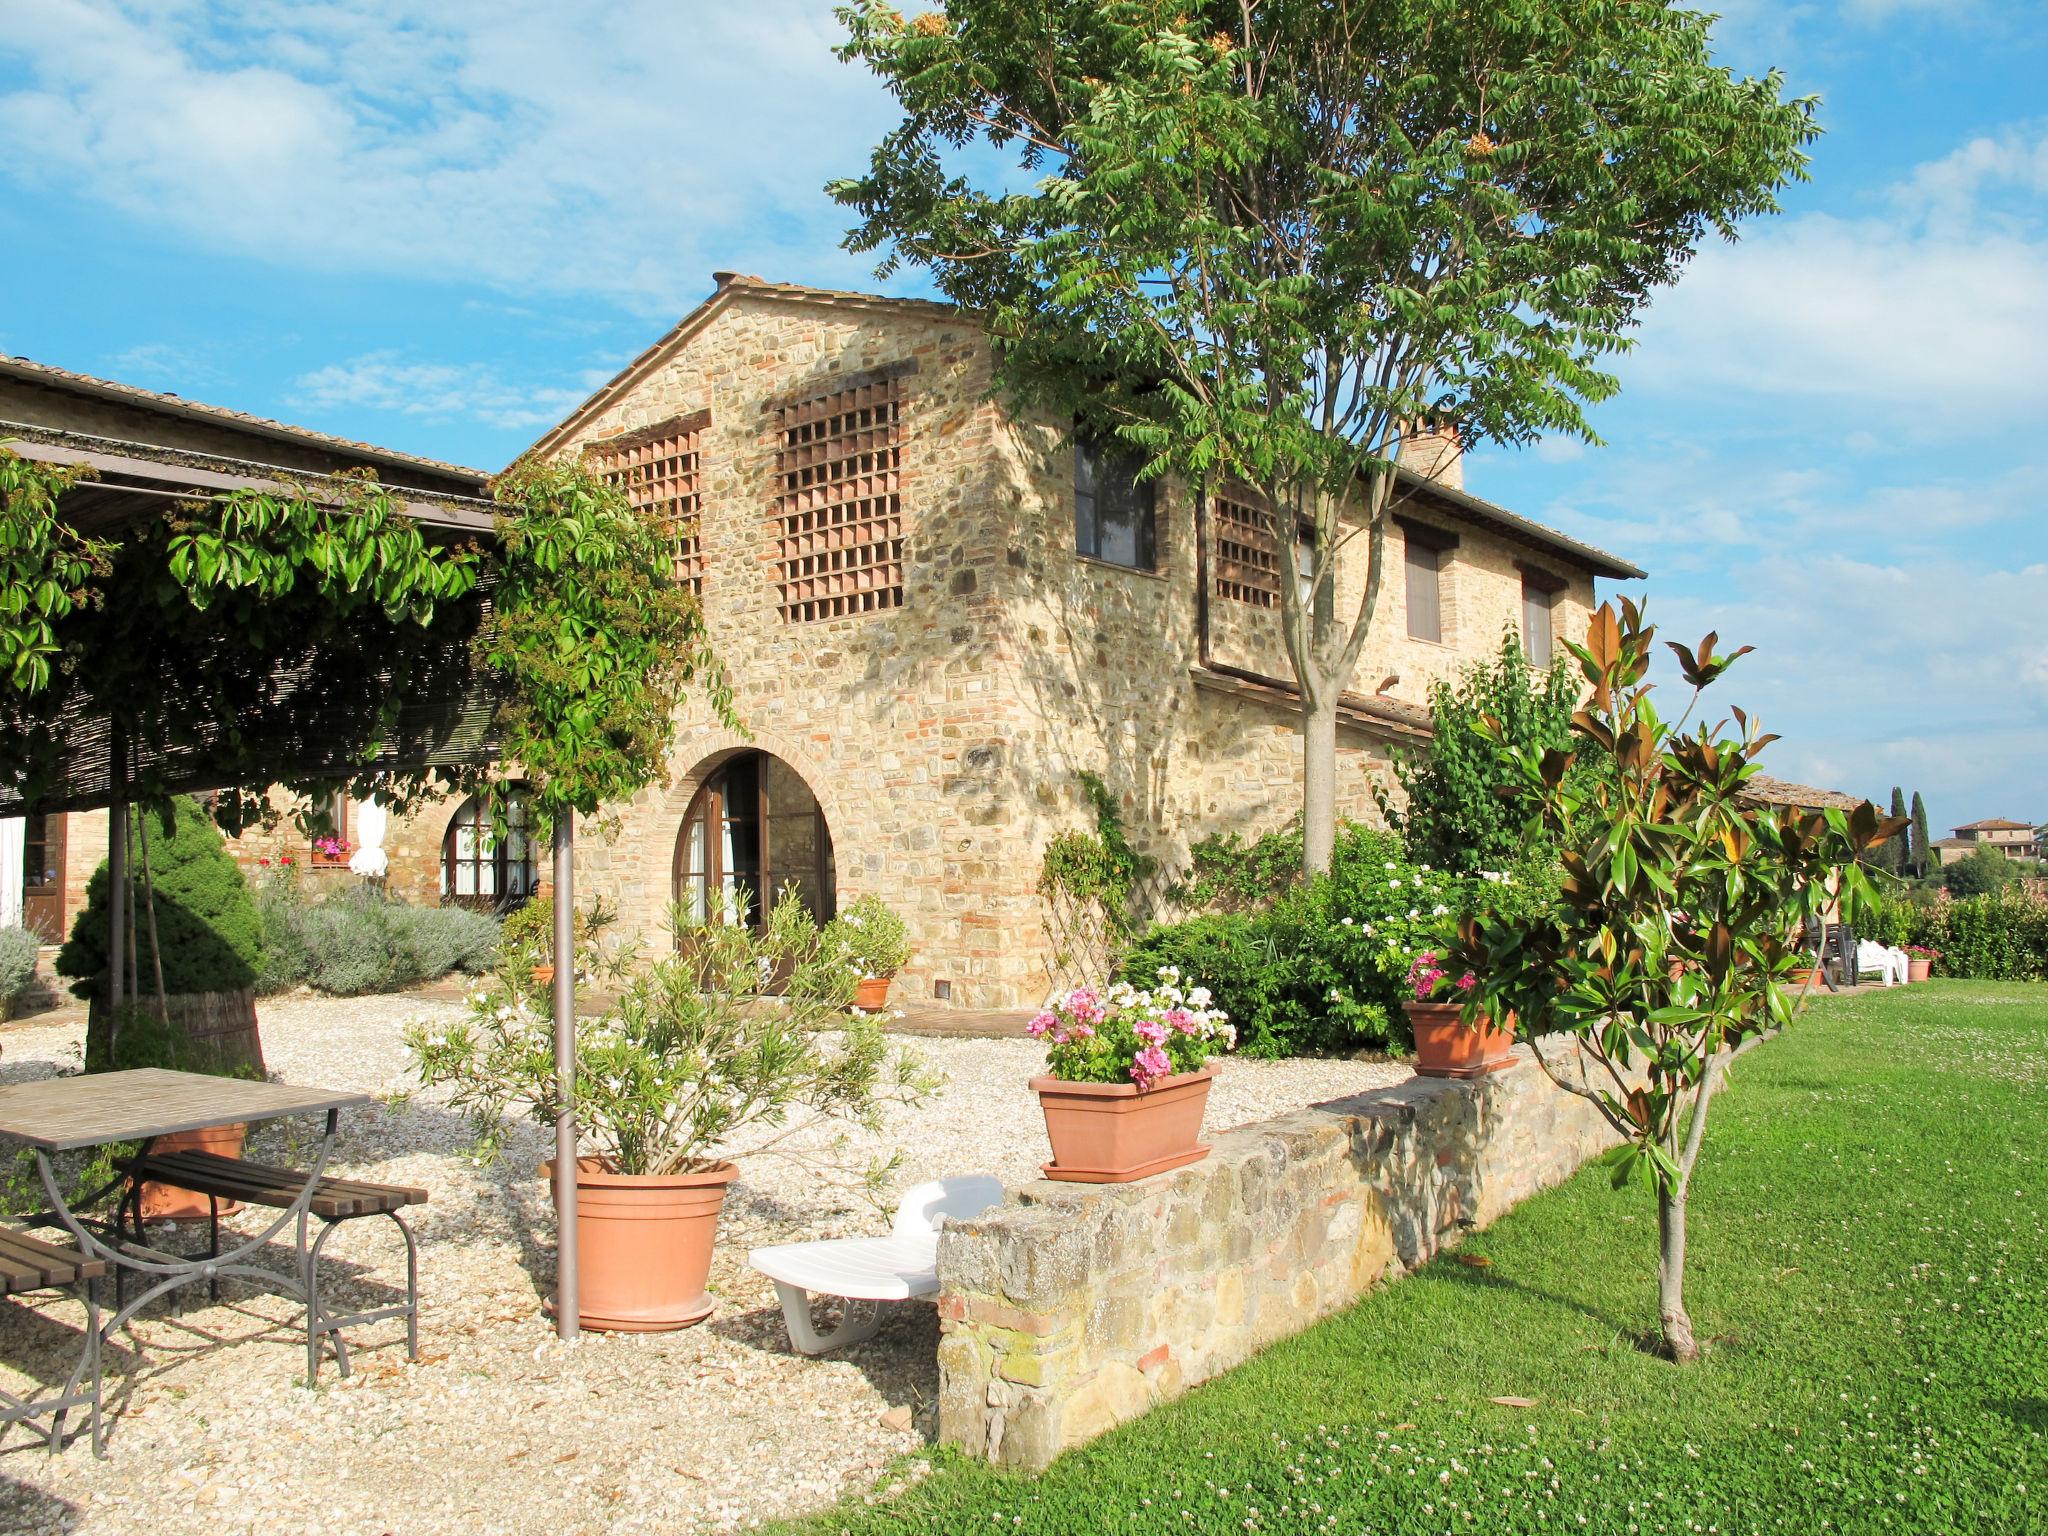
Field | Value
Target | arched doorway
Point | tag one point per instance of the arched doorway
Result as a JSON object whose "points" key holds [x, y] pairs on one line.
{"points": [[753, 830]]}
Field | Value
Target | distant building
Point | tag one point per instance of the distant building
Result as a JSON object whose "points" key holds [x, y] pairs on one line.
{"points": [[2014, 839]]}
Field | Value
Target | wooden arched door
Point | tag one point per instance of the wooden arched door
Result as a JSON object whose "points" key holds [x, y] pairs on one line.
{"points": [[753, 831]]}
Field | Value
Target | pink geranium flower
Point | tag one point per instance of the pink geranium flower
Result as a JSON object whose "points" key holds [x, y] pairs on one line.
{"points": [[1149, 1065]]}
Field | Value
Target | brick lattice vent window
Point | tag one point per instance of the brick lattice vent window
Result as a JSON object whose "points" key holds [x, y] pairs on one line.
{"points": [[839, 505], [1247, 565], [657, 468]]}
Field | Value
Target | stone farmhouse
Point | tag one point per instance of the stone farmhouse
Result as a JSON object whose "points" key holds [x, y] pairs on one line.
{"points": [[2013, 839], [938, 615]]}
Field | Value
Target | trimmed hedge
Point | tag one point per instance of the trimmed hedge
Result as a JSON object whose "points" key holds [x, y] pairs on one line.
{"points": [[2002, 936]]}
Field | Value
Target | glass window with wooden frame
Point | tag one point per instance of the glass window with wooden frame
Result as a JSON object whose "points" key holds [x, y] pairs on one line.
{"points": [[658, 469], [486, 864], [1426, 551], [1539, 609], [329, 832], [839, 502], [1115, 513], [42, 876], [753, 831]]}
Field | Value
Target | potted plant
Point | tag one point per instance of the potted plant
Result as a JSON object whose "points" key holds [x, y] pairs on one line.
{"points": [[1446, 1045], [1127, 1078], [1920, 962], [874, 944], [672, 1076]]}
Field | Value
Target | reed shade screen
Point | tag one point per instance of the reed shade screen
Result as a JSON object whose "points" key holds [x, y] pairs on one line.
{"points": [[658, 470], [1247, 564], [839, 507]]}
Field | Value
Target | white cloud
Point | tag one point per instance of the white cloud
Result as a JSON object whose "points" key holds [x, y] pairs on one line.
{"points": [[1931, 673], [1927, 320], [382, 381], [622, 150]]}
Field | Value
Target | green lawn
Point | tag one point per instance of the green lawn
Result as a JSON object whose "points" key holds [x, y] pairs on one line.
{"points": [[1870, 1260]]}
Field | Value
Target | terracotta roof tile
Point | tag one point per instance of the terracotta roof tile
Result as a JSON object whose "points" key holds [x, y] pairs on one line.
{"points": [[149, 399]]}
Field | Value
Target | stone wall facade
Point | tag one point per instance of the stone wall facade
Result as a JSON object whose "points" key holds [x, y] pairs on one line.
{"points": [[1076, 1306], [944, 738]]}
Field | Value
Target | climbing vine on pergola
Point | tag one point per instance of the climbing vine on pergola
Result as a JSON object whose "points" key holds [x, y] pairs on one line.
{"points": [[283, 636]]}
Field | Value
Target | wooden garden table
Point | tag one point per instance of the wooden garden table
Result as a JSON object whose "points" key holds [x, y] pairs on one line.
{"points": [[67, 1114]]}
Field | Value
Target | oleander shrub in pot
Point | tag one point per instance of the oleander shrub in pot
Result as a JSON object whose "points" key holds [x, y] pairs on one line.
{"points": [[1127, 1078], [873, 943], [690, 1070]]}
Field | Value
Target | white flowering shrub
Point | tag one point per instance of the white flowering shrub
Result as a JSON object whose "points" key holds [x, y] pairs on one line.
{"points": [[868, 939]]}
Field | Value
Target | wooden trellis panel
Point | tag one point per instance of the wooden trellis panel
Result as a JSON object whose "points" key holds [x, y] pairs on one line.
{"points": [[658, 469], [839, 503], [1247, 564]]}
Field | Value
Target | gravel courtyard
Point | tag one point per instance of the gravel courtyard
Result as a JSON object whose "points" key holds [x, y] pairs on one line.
{"points": [[500, 1428]]}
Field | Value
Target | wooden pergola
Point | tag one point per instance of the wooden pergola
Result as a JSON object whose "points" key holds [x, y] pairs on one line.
{"points": [[102, 756]]}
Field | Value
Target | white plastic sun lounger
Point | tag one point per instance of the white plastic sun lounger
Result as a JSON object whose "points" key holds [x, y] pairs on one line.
{"points": [[868, 1271]]}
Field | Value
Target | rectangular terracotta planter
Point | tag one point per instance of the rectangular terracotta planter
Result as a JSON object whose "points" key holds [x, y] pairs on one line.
{"points": [[1111, 1133], [1446, 1047]]}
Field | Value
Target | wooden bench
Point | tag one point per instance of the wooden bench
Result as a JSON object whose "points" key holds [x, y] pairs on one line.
{"points": [[334, 1200], [30, 1264]]}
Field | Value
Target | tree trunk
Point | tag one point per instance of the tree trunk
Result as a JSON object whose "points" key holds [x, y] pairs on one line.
{"points": [[1675, 1320], [1318, 780]]}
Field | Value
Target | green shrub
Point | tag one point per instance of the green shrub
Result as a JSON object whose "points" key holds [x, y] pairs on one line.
{"points": [[1984, 871], [2000, 936], [1234, 955], [17, 966], [359, 940], [1317, 967], [207, 928], [1455, 817]]}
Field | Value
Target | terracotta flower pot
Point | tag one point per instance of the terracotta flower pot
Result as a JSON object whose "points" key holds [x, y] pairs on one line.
{"points": [[644, 1245], [1445, 1047], [1111, 1133], [1805, 976], [167, 1202], [872, 995], [1918, 969]]}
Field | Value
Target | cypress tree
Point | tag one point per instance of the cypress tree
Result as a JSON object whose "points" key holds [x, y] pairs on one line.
{"points": [[1923, 851], [1898, 850]]}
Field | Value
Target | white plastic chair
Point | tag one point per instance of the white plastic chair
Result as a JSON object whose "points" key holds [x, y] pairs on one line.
{"points": [[868, 1271]]}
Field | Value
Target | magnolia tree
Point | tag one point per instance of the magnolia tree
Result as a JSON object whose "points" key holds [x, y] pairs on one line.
{"points": [[1668, 952], [1261, 240]]}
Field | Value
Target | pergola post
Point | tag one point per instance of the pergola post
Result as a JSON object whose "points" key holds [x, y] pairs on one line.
{"points": [[117, 879], [568, 1304]]}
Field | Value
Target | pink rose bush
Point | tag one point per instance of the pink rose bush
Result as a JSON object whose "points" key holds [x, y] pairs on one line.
{"points": [[1122, 1034]]}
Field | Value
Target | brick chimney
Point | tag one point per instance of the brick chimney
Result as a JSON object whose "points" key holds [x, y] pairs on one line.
{"points": [[1432, 450]]}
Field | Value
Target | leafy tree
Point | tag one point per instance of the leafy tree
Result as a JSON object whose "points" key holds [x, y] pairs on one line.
{"points": [[1456, 817], [1666, 954], [1923, 850], [594, 638], [1986, 870], [1259, 242]]}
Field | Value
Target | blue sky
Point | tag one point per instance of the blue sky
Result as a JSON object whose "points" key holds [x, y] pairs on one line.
{"points": [[437, 227]]}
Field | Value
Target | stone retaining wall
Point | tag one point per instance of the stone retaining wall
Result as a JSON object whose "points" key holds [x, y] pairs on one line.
{"points": [[1078, 1306]]}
